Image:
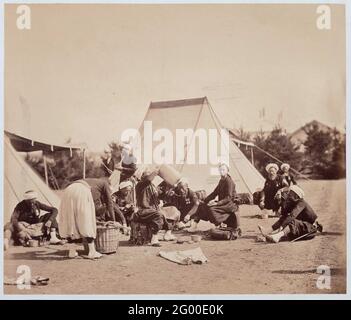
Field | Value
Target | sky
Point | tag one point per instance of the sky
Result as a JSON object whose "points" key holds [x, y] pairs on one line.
{"points": [[87, 72]]}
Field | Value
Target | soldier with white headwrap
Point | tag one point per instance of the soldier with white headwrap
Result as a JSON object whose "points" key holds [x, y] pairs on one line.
{"points": [[31, 219], [220, 206], [289, 178], [125, 202], [183, 198], [298, 219], [149, 211], [274, 185]]}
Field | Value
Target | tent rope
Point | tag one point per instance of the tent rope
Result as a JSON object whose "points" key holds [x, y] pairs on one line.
{"points": [[262, 150], [280, 161]]}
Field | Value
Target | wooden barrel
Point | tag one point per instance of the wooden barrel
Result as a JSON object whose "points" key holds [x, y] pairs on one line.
{"points": [[107, 239], [169, 174]]}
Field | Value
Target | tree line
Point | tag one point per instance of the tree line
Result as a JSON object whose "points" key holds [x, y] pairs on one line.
{"points": [[323, 157]]}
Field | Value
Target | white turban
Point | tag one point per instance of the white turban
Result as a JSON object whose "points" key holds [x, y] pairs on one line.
{"points": [[223, 163], [30, 195], [183, 180], [271, 165], [298, 191], [285, 165], [127, 147], [125, 184]]}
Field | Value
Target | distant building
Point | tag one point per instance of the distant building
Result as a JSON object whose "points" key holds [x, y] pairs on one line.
{"points": [[299, 136]]}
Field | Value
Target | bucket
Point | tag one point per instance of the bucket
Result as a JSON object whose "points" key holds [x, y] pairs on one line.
{"points": [[169, 174], [33, 243], [107, 239]]}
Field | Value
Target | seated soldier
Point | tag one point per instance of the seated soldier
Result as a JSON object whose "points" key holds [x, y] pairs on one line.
{"points": [[28, 221], [297, 220], [289, 178], [184, 199], [167, 193], [125, 202], [271, 195], [224, 210], [149, 211]]}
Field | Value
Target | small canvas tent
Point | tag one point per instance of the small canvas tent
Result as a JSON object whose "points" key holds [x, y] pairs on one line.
{"points": [[20, 177], [198, 114]]}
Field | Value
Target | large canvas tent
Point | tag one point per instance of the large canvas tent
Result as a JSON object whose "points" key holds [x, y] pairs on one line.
{"points": [[198, 114], [20, 177]]}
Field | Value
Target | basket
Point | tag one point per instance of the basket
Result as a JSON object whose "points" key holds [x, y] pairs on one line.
{"points": [[107, 239]]}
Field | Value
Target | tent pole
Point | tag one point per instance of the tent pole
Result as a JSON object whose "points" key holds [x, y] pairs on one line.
{"points": [[83, 163], [252, 157], [46, 170]]}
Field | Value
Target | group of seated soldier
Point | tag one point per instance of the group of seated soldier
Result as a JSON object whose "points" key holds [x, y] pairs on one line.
{"points": [[87, 202]]}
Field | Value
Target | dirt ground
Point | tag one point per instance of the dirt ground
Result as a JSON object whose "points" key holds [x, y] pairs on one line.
{"points": [[243, 266]]}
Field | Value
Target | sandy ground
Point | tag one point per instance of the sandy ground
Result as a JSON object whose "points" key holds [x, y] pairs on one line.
{"points": [[235, 267]]}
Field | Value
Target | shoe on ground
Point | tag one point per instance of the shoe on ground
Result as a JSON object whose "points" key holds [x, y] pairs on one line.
{"points": [[93, 256], [273, 237], [154, 241], [57, 242]]}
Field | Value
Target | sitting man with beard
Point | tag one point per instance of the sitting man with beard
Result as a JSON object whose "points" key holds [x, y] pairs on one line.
{"points": [[149, 211], [183, 198], [123, 198], [32, 219], [298, 220], [275, 185]]}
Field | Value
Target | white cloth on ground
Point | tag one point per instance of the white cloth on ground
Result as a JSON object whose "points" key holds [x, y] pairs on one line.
{"points": [[185, 257]]}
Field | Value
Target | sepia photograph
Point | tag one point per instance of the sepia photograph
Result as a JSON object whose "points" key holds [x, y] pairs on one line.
{"points": [[174, 149]]}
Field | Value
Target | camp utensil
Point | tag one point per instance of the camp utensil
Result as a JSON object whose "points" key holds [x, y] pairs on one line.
{"points": [[196, 238], [33, 243]]}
